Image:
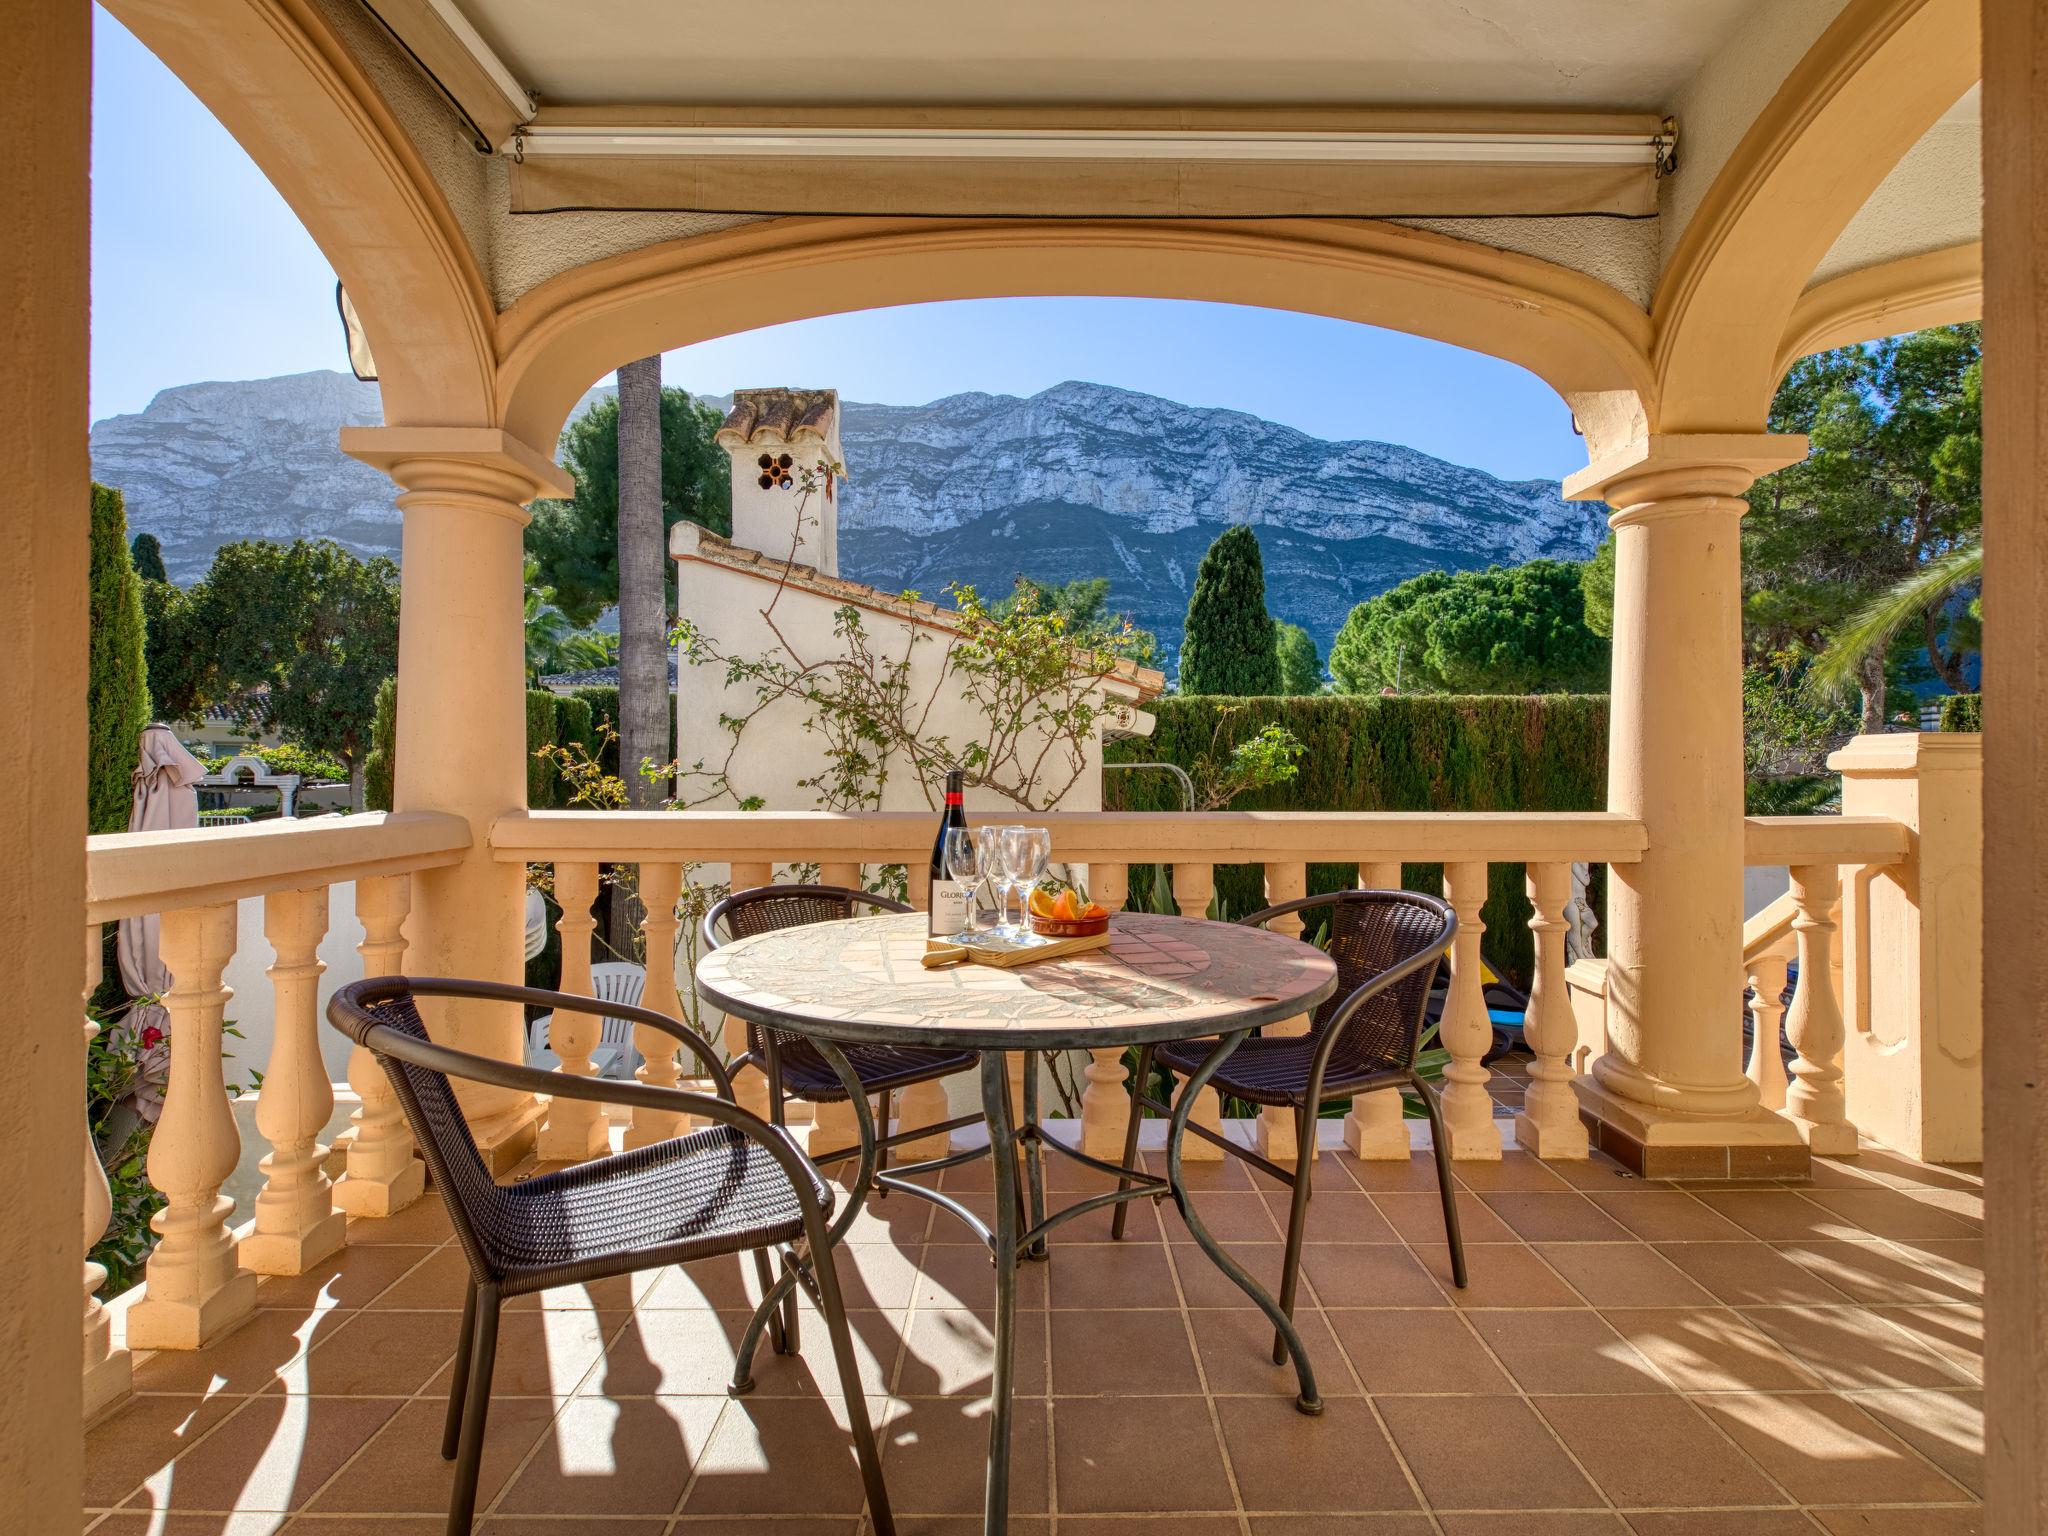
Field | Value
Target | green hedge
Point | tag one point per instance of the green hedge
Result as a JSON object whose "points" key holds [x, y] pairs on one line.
{"points": [[549, 718], [1963, 712], [1429, 752], [117, 674]]}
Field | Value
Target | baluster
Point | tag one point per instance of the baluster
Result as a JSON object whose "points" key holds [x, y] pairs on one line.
{"points": [[1375, 1129], [1105, 1102], [1467, 1031], [1766, 1020], [195, 1293], [661, 887], [840, 873], [297, 1224], [1276, 1128], [576, 1128], [384, 1173], [1194, 886], [107, 1374], [1549, 1123], [749, 1085], [1814, 1100]]}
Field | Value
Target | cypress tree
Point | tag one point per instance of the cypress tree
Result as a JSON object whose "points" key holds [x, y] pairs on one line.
{"points": [[117, 678], [1229, 642], [380, 767], [148, 556]]}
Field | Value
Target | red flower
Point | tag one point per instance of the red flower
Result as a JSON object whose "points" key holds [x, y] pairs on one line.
{"points": [[151, 1038]]}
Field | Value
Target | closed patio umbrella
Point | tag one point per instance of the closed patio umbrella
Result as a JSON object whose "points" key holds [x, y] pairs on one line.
{"points": [[164, 776]]}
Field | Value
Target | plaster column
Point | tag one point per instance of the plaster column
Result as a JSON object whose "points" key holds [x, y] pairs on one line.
{"points": [[462, 725], [1669, 1093]]}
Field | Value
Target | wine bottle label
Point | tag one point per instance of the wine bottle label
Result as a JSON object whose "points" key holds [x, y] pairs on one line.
{"points": [[949, 908]]}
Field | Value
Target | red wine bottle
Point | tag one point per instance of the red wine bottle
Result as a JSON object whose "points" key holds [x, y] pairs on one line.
{"points": [[949, 896]]}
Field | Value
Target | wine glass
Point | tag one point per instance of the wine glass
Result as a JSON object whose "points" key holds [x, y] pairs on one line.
{"points": [[961, 857], [1026, 853], [989, 846]]}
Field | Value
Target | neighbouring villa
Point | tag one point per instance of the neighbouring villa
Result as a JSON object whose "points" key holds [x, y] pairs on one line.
{"points": [[1714, 1253]]}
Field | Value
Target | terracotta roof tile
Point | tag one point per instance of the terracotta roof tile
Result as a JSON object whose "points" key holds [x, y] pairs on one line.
{"points": [[779, 415]]}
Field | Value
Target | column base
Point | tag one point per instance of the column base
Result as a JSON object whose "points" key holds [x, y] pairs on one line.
{"points": [[292, 1253], [505, 1141], [1273, 1136], [924, 1104], [575, 1131], [1208, 1112], [1376, 1131], [107, 1382], [1836, 1138], [157, 1324], [361, 1195], [1553, 1142], [1665, 1144]]}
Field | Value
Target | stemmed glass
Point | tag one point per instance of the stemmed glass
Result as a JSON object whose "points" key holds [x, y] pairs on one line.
{"points": [[962, 856], [989, 845], [1026, 853]]}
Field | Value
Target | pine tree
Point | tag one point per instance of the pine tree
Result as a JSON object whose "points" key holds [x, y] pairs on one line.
{"points": [[148, 556], [1301, 664], [1229, 643], [117, 679]]}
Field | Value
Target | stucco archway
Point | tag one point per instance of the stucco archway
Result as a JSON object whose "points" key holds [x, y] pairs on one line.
{"points": [[1863, 95], [1578, 335], [300, 106]]}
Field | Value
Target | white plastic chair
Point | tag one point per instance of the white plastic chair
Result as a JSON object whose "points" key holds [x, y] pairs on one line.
{"points": [[611, 981]]}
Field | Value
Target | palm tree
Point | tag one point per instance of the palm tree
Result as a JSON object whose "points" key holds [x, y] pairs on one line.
{"points": [[1863, 641], [553, 644], [643, 600]]}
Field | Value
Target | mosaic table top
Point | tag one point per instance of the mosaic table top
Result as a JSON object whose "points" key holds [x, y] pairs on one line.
{"points": [[1161, 978]]}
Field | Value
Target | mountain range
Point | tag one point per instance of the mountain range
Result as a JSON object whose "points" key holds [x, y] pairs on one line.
{"points": [[1077, 480]]}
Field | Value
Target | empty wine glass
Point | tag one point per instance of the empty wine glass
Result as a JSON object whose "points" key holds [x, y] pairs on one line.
{"points": [[1026, 852], [989, 847], [962, 862]]}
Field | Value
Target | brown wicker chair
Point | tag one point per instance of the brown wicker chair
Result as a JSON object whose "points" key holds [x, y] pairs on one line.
{"points": [[740, 1186], [1387, 945], [791, 1062]]}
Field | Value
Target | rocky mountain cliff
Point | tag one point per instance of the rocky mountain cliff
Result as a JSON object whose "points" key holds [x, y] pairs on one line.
{"points": [[1078, 480]]}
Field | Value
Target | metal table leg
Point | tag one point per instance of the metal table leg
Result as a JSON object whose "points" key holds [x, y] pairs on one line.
{"points": [[1002, 1136]]}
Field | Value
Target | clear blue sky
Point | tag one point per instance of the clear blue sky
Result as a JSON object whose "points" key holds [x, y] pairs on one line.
{"points": [[200, 271]]}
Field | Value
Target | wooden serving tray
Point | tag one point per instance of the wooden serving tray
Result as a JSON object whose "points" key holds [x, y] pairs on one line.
{"points": [[1009, 956]]}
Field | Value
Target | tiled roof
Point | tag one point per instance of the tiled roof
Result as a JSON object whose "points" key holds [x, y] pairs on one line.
{"points": [[779, 416], [710, 549], [599, 677]]}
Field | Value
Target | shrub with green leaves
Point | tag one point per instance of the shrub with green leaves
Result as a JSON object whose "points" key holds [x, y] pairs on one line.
{"points": [[1963, 712], [117, 677]]}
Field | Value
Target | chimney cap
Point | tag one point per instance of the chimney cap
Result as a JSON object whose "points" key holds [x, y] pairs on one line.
{"points": [[780, 416]]}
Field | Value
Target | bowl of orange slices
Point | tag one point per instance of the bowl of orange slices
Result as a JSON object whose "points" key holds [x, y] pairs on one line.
{"points": [[1062, 912]]}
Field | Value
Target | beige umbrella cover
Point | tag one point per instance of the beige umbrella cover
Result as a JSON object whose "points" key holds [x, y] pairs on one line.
{"points": [[164, 776]]}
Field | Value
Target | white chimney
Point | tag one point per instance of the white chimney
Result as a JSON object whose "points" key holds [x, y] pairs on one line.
{"points": [[774, 437]]}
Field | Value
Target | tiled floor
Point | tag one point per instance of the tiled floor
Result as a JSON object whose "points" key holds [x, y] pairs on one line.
{"points": [[1663, 1361]]}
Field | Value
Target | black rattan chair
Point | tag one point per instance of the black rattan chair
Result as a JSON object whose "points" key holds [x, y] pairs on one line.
{"points": [[739, 1186], [1387, 945], [790, 1062]]}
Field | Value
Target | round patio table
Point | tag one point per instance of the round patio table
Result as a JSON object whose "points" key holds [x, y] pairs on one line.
{"points": [[862, 981]]}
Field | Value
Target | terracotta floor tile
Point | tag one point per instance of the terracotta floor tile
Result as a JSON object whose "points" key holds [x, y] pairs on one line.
{"points": [[1417, 1351], [1416, 1524], [261, 1351], [1141, 1525], [1667, 1216], [518, 1525], [1598, 1173], [960, 1275], [950, 1352], [1945, 1427], [1513, 1171], [1956, 1333], [1284, 1461], [1416, 1174], [727, 1284], [926, 1525], [1547, 1523], [604, 1458], [1501, 1276], [1966, 1521], [1555, 1218], [143, 1437], [389, 1352], [1366, 1275], [1118, 1455], [541, 1353], [156, 1523], [1825, 1450], [1125, 1354], [401, 1471], [935, 1457], [1892, 1213], [1207, 1288], [1110, 1275], [343, 1279], [1750, 1274], [1850, 1347], [1722, 1522], [284, 1447], [1522, 1463], [692, 1353], [1231, 1217], [1694, 1467], [777, 1456], [1622, 1275], [1710, 1351], [1780, 1215], [424, 1221], [1236, 1351], [1955, 1261], [1880, 1272], [1420, 1218], [1335, 1216], [1559, 1352]]}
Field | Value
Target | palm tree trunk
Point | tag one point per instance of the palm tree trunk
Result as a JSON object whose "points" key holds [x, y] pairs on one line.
{"points": [[1870, 680], [643, 604]]}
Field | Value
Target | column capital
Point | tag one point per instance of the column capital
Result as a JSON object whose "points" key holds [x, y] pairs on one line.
{"points": [[1671, 464], [482, 460]]}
